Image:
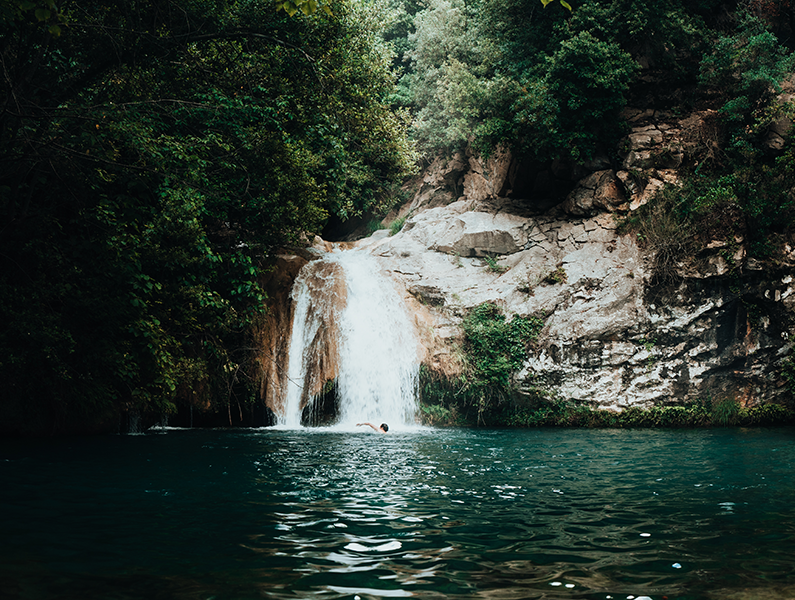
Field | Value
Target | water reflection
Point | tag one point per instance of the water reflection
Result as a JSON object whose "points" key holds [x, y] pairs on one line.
{"points": [[482, 513], [452, 514]]}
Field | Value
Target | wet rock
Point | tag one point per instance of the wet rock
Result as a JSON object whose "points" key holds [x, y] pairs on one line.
{"points": [[428, 294]]}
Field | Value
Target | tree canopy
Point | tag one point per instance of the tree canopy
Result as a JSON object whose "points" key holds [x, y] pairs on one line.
{"points": [[155, 153]]}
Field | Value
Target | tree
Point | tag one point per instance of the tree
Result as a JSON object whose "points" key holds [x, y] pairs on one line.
{"points": [[154, 155]]}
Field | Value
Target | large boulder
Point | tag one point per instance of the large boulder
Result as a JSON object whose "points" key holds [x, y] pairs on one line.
{"points": [[454, 229], [486, 176], [600, 191]]}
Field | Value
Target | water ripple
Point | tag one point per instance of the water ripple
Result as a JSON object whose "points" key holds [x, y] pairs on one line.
{"points": [[432, 514]]}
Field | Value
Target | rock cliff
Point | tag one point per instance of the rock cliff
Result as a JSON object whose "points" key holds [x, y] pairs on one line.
{"points": [[546, 240]]}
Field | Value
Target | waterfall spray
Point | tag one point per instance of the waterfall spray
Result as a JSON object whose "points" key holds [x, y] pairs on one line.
{"points": [[378, 368], [348, 318]]}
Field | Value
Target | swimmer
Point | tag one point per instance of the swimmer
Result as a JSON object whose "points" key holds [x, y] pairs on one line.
{"points": [[383, 428]]}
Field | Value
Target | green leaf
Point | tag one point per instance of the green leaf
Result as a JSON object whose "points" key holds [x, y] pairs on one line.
{"points": [[565, 4]]}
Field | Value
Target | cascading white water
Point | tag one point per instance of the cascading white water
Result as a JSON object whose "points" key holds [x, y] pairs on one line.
{"points": [[377, 362], [378, 350], [305, 326]]}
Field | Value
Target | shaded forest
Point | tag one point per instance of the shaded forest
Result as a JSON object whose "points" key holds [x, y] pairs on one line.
{"points": [[156, 155]]}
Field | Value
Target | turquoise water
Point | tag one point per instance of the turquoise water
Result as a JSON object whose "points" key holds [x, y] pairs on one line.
{"points": [[554, 514]]}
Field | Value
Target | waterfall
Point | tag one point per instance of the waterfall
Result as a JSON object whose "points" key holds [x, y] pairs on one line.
{"points": [[350, 322]]}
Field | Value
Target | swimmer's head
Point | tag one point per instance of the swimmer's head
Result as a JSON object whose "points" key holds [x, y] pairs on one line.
{"points": [[385, 427]]}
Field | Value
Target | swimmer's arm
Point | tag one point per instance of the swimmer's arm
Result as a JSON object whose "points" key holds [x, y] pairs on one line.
{"points": [[369, 424]]}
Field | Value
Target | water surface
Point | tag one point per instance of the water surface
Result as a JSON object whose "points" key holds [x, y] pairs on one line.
{"points": [[558, 514]]}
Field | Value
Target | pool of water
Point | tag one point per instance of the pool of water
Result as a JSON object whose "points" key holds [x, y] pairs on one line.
{"points": [[557, 514]]}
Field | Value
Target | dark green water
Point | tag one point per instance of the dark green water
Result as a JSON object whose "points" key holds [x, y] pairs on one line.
{"points": [[242, 514]]}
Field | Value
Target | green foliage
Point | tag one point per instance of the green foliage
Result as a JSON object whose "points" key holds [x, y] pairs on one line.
{"points": [[308, 7], [559, 275], [493, 265], [436, 415], [744, 197], [662, 227], [747, 68], [563, 3], [444, 401], [765, 414], [495, 347], [493, 350], [576, 102], [156, 156], [44, 13], [568, 414], [560, 413], [396, 225], [372, 226], [542, 79], [725, 412]]}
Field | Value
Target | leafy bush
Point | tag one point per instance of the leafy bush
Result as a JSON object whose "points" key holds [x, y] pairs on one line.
{"points": [[436, 414], [495, 347], [747, 67], [725, 412], [582, 90], [765, 414]]}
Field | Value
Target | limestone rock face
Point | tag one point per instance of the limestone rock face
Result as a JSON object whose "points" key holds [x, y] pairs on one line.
{"points": [[613, 336], [453, 231], [441, 183]]}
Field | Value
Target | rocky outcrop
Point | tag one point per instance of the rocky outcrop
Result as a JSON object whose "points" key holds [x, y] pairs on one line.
{"points": [[614, 336], [272, 334], [546, 240], [599, 191], [325, 283]]}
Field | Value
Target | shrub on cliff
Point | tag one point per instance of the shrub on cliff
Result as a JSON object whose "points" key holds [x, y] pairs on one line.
{"points": [[573, 107], [493, 351]]}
